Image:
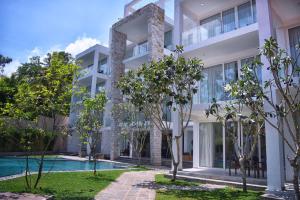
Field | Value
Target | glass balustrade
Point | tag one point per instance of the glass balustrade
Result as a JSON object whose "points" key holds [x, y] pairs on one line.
{"points": [[220, 23], [85, 71]]}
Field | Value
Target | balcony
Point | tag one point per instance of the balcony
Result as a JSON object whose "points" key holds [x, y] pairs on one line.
{"points": [[137, 56], [223, 22], [104, 69], [167, 5], [86, 71]]}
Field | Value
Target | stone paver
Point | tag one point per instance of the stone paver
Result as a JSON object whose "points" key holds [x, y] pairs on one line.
{"points": [[21, 196], [130, 186]]}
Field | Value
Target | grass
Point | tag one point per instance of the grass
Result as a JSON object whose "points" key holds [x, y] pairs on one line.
{"points": [[66, 185], [160, 179], [224, 194]]}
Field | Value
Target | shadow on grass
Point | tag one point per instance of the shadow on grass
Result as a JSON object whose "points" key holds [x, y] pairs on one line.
{"points": [[101, 177], [224, 194]]}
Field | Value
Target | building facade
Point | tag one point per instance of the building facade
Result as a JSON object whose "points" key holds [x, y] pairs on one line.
{"points": [[225, 35]]}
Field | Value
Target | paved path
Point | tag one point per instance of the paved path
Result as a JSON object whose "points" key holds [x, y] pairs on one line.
{"points": [[21, 196], [130, 186]]}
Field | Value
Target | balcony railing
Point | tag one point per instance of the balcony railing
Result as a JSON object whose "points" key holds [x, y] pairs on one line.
{"points": [[104, 69], [85, 71], [220, 23], [138, 50]]}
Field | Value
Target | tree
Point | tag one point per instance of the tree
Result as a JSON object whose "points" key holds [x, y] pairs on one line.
{"points": [[232, 115], [89, 122], [165, 85], [135, 127], [8, 88], [280, 96], [44, 97], [4, 61]]}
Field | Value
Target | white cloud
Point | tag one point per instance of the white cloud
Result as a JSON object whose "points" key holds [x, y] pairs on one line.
{"points": [[11, 67], [81, 44]]}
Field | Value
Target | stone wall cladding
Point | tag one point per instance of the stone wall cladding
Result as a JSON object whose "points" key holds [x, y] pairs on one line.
{"points": [[106, 142], [156, 52], [117, 54], [155, 20]]}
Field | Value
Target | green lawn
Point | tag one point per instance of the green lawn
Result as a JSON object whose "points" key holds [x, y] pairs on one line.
{"points": [[66, 185], [224, 194]]}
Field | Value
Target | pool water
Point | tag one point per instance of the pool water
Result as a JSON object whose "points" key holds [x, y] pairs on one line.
{"points": [[16, 165]]}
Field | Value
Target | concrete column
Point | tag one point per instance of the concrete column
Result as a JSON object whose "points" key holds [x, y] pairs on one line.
{"points": [[117, 55], [94, 72], [178, 21], [156, 52], [195, 144], [176, 132], [274, 148]]}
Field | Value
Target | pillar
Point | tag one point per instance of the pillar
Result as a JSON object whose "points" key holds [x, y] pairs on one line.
{"points": [[195, 144], [117, 55], [156, 52], [274, 147], [178, 21]]}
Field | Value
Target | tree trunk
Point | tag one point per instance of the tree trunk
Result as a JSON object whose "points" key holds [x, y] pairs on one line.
{"points": [[139, 159], [175, 169], [244, 176], [176, 164], [95, 165], [295, 165], [41, 164], [296, 183], [28, 185]]}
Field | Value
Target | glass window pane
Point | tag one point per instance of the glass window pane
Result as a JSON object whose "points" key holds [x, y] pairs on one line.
{"points": [[228, 20], [218, 145], [210, 27], [248, 61], [244, 14], [231, 75], [168, 40], [254, 11], [204, 87], [231, 131], [212, 84], [231, 72], [294, 37]]}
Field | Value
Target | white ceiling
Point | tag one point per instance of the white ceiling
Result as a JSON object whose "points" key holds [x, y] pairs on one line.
{"points": [[203, 8], [287, 10]]}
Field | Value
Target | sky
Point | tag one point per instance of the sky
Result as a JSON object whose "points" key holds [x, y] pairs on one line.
{"points": [[35, 27]]}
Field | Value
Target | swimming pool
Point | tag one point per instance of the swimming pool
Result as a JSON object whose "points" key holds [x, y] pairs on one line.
{"points": [[16, 165]]}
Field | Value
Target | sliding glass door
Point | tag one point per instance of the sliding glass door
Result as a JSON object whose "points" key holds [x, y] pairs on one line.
{"points": [[210, 27], [244, 14], [228, 20], [211, 145], [211, 85]]}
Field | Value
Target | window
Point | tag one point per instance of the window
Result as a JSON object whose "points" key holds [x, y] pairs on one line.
{"points": [[228, 20], [248, 61], [254, 10], [230, 75], [168, 40], [102, 66], [211, 145], [231, 72], [244, 14], [210, 27], [294, 37], [212, 84]]}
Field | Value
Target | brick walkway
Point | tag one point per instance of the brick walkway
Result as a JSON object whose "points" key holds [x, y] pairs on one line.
{"points": [[130, 186]]}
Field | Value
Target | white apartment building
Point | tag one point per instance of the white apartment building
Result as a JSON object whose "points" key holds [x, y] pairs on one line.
{"points": [[225, 34]]}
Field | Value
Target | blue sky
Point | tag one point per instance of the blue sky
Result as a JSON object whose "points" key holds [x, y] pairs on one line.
{"points": [[35, 27]]}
